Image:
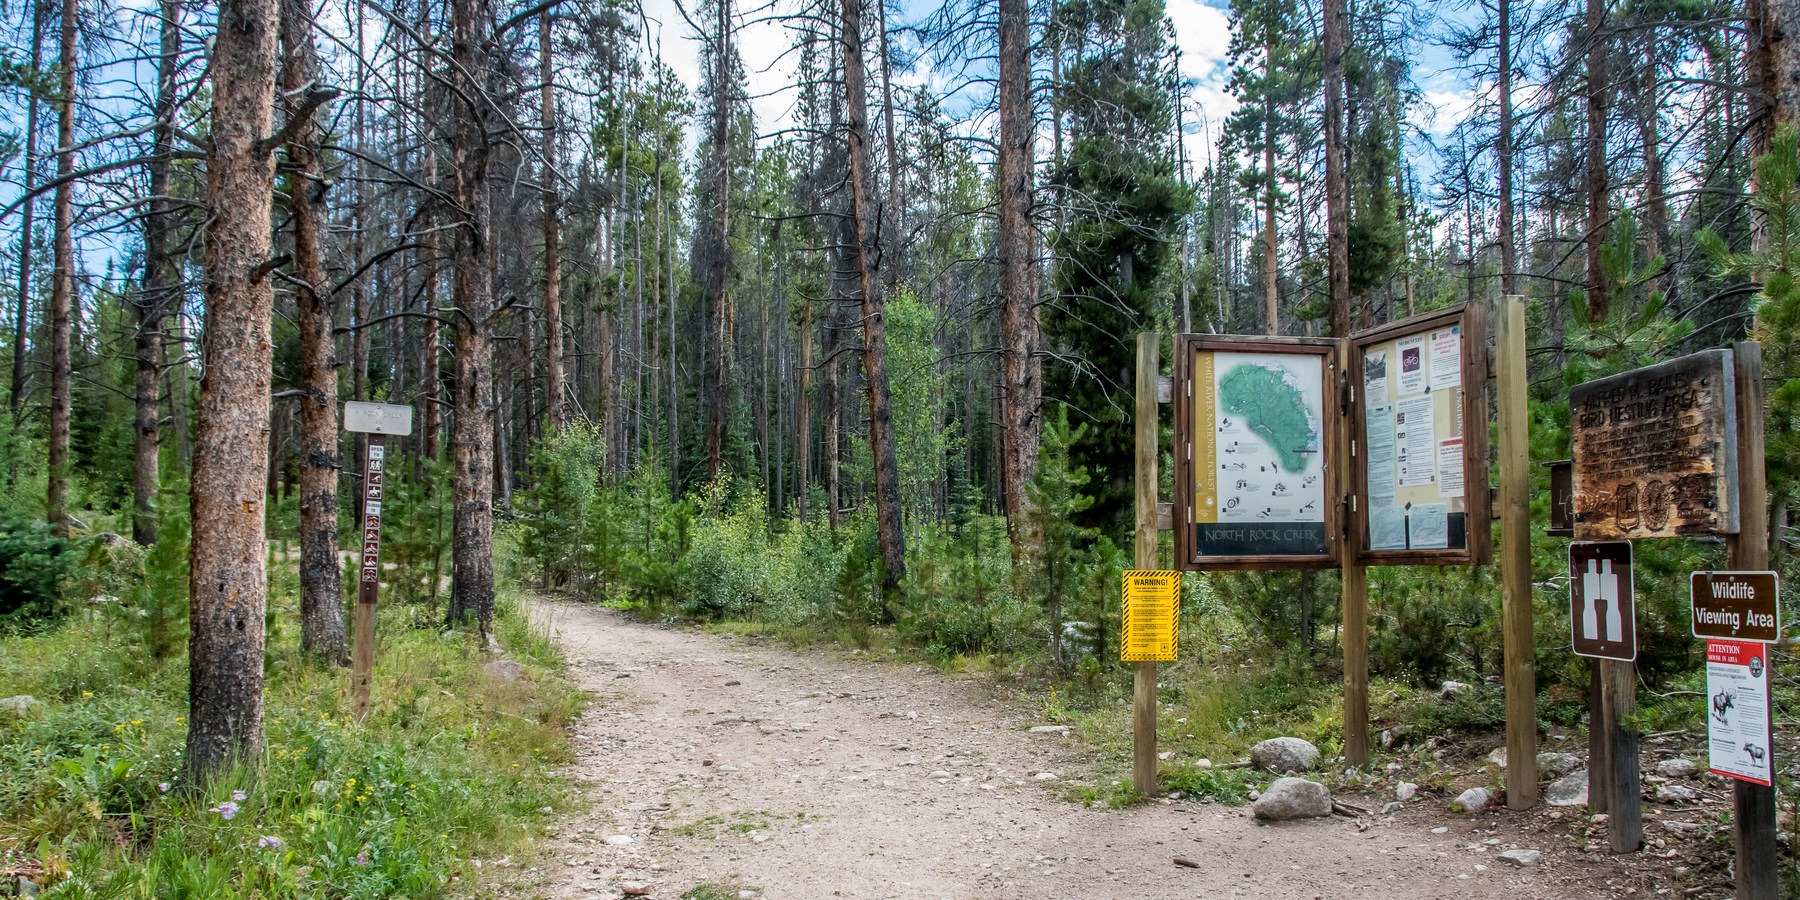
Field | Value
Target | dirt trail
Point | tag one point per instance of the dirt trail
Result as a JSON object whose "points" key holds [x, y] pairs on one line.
{"points": [[825, 774]]}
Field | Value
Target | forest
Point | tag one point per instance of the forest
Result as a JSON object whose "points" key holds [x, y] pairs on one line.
{"points": [[807, 318]]}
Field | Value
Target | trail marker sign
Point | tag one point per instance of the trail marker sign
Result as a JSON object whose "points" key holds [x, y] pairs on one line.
{"points": [[1738, 606], [1602, 606], [1738, 733], [377, 418], [1152, 615]]}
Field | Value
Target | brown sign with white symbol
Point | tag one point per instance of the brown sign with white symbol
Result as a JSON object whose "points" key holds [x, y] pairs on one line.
{"points": [[1602, 606], [1739, 606], [1656, 451]]}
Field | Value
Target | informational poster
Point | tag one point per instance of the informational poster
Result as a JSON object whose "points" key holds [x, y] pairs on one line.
{"points": [[1258, 453], [1152, 616], [1738, 735], [1412, 442]]}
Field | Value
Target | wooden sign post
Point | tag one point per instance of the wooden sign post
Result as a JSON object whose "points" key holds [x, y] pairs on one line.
{"points": [[1753, 812], [1143, 694], [1519, 646], [1656, 455], [377, 420]]}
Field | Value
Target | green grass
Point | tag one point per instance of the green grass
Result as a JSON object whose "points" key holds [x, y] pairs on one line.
{"points": [[450, 765]]}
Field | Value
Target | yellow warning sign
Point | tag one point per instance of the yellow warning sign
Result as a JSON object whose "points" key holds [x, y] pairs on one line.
{"points": [[1152, 615]]}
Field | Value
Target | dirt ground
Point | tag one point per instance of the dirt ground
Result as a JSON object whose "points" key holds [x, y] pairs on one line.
{"points": [[721, 767]]}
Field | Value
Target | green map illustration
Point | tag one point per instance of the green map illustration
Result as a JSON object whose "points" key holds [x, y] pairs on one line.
{"points": [[1273, 408]]}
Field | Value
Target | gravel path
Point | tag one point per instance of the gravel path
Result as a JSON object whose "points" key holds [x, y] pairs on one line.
{"points": [[773, 773]]}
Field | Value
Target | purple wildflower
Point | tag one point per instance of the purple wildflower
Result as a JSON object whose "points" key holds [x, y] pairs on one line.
{"points": [[238, 796], [163, 788], [362, 858], [269, 842], [226, 809]]}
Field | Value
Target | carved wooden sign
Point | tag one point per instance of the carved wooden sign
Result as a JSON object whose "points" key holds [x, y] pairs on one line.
{"points": [[1656, 451]]}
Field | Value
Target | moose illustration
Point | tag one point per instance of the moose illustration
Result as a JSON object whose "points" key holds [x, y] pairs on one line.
{"points": [[1756, 753], [1722, 703]]}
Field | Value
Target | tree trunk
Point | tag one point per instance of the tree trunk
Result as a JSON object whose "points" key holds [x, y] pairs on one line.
{"points": [[431, 390], [321, 589], [716, 258], [1271, 285], [227, 584], [1337, 194], [1021, 370], [553, 337], [803, 413], [161, 282], [1599, 292], [1784, 30], [62, 289], [21, 375], [863, 224], [1503, 145], [472, 437]]}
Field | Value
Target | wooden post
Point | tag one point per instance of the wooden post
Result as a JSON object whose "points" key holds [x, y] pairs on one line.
{"points": [[1753, 814], [1625, 813], [1143, 695], [369, 572], [1354, 579], [1599, 744], [1515, 556]]}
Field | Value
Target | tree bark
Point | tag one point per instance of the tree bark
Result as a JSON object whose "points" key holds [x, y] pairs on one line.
{"points": [[1021, 369], [472, 437], [321, 589], [1337, 194], [227, 584], [1599, 292], [803, 413], [1271, 286], [554, 403], [1503, 146], [716, 257], [62, 288], [21, 376], [161, 283], [431, 391], [863, 225]]}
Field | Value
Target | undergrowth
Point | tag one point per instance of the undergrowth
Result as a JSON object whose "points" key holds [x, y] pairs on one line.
{"points": [[449, 766]]}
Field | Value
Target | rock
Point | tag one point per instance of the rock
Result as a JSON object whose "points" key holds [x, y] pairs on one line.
{"points": [[1451, 688], [1680, 828], [1045, 776], [1556, 765], [1284, 754], [1676, 793], [1677, 768], [1393, 806], [1569, 790], [619, 840], [17, 707], [1293, 798], [1498, 757], [1473, 800], [634, 889], [1405, 791], [1049, 729], [1186, 863], [1394, 735], [504, 670], [1523, 858]]}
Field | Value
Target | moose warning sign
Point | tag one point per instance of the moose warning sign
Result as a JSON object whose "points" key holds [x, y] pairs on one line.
{"points": [[1152, 616], [1737, 716]]}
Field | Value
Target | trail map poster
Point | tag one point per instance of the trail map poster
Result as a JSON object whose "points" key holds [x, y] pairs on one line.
{"points": [[1419, 467], [1258, 427]]}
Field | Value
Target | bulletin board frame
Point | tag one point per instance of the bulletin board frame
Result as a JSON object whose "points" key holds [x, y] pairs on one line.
{"points": [[1470, 321]]}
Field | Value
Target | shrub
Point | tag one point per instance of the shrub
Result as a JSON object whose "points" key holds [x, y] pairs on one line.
{"points": [[33, 564]]}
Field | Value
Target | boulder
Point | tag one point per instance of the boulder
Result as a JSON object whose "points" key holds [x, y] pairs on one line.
{"points": [[1405, 791], [504, 670], [1498, 757], [17, 707], [1293, 798], [1677, 768], [1451, 688], [1569, 790], [1556, 765], [1284, 754], [1473, 800]]}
